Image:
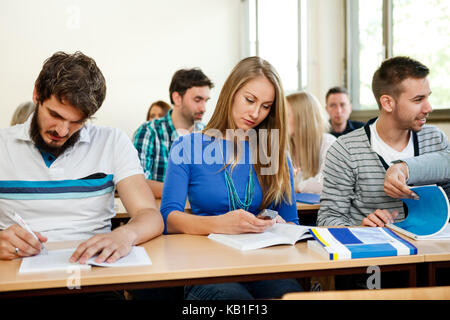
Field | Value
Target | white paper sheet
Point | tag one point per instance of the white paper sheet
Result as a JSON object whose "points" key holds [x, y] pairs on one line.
{"points": [[58, 260]]}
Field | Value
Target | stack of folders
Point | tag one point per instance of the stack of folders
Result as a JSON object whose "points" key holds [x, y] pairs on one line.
{"points": [[358, 242]]}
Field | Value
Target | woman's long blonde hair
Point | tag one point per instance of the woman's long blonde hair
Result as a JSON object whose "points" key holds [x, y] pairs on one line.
{"points": [[310, 124], [275, 187]]}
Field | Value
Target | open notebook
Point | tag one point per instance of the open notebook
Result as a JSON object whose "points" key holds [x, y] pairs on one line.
{"points": [[279, 233], [58, 260]]}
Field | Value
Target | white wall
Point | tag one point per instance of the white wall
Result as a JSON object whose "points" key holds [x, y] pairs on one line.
{"points": [[137, 44], [326, 54]]}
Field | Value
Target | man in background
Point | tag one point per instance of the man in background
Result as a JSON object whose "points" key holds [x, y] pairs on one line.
{"points": [[189, 91], [339, 109]]}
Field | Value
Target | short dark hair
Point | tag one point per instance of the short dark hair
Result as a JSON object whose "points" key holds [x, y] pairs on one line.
{"points": [[334, 90], [388, 77], [74, 78], [184, 79]]}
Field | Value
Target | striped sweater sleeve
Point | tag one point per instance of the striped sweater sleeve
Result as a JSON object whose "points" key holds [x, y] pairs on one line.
{"points": [[338, 187]]}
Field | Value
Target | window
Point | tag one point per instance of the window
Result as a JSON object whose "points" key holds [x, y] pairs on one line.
{"points": [[380, 29], [276, 31]]}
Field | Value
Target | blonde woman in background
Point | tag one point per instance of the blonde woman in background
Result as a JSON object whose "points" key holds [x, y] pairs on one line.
{"points": [[22, 113], [309, 140]]}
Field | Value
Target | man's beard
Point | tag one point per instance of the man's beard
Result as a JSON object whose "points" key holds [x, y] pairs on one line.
{"points": [[42, 145]]}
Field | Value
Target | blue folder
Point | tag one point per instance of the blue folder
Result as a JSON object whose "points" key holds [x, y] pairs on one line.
{"points": [[309, 198], [427, 216]]}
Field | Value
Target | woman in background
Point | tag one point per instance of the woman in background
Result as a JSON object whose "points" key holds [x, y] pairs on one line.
{"points": [[309, 140], [157, 109], [227, 189]]}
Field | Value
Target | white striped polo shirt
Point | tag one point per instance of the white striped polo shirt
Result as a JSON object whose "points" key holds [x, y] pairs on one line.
{"points": [[72, 197]]}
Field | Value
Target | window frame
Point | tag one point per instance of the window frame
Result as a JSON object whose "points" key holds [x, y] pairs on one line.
{"points": [[248, 46], [352, 59]]}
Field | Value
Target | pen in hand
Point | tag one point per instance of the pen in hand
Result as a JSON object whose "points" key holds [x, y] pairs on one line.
{"points": [[22, 223]]}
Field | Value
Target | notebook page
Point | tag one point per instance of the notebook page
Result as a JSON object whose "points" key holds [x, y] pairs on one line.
{"points": [[58, 260], [137, 257], [55, 260]]}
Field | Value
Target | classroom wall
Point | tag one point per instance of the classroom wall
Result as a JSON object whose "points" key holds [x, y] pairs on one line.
{"points": [[137, 44], [444, 126], [326, 54]]}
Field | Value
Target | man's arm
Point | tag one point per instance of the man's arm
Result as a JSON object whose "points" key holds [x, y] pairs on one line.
{"points": [[338, 187], [425, 169], [157, 187], [429, 168], [145, 223]]}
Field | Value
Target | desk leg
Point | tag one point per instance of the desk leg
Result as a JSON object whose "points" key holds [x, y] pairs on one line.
{"points": [[413, 276], [431, 274], [432, 267]]}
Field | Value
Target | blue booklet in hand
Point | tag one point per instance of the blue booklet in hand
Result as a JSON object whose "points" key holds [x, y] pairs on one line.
{"points": [[359, 242], [427, 217], [309, 198]]}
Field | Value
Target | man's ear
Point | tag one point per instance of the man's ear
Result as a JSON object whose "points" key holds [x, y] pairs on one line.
{"points": [[387, 103], [176, 97], [35, 97]]}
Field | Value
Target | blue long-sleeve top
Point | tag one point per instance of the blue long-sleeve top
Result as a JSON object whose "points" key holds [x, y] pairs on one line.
{"points": [[195, 169]]}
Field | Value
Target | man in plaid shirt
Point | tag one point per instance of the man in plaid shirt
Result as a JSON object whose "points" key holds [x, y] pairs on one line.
{"points": [[189, 92]]}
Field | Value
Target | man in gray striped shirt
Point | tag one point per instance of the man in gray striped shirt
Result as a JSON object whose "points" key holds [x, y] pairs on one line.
{"points": [[356, 164]]}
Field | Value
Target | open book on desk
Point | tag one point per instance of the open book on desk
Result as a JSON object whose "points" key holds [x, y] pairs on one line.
{"points": [[279, 233], [358, 242], [427, 217], [58, 260]]}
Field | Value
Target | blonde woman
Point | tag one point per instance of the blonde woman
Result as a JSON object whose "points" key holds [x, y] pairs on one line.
{"points": [[226, 172], [308, 140]]}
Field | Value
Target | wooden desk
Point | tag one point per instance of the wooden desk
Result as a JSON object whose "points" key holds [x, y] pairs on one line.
{"points": [[186, 259], [306, 207], [437, 255], [429, 293]]}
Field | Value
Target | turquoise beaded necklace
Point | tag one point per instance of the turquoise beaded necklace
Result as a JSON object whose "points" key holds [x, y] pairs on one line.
{"points": [[234, 202]]}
